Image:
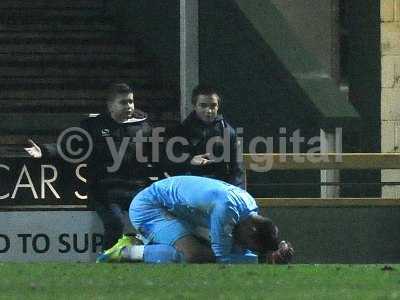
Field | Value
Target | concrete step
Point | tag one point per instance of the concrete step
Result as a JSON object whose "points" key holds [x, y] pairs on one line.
{"points": [[70, 84], [50, 12], [31, 49], [38, 123], [66, 59], [88, 94], [82, 72], [51, 4], [52, 105], [27, 35], [67, 83], [50, 38], [58, 27], [56, 19], [81, 105]]}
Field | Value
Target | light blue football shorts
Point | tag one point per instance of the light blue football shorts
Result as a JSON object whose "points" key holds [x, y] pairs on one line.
{"points": [[154, 223]]}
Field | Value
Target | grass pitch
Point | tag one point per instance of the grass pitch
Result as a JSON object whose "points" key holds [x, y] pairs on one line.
{"points": [[139, 281]]}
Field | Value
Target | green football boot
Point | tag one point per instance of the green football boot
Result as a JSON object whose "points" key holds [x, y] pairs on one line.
{"points": [[114, 254]]}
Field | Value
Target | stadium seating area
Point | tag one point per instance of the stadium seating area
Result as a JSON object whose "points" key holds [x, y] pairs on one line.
{"points": [[56, 59]]}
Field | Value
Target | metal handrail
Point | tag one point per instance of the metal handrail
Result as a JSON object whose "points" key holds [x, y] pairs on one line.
{"points": [[263, 162]]}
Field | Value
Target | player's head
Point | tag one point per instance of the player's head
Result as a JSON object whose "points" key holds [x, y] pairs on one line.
{"points": [[120, 101], [206, 102], [257, 233]]}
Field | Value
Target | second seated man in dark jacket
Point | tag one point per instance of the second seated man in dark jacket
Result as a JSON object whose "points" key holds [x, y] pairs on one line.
{"points": [[212, 144]]}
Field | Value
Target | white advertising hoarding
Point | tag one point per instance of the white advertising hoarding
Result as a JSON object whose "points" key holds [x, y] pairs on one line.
{"points": [[50, 236]]}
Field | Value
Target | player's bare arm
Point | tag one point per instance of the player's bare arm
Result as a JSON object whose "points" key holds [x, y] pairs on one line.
{"points": [[34, 149]]}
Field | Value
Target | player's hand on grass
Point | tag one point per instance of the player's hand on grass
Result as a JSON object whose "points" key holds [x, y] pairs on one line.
{"points": [[283, 255], [34, 150], [201, 160], [287, 251]]}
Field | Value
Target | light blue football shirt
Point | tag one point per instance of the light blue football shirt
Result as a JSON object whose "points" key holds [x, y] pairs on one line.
{"points": [[211, 206]]}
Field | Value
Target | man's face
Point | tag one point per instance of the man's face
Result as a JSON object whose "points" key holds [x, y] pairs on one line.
{"points": [[206, 107], [121, 107]]}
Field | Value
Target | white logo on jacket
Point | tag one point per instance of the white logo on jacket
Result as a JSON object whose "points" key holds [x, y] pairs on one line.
{"points": [[105, 132]]}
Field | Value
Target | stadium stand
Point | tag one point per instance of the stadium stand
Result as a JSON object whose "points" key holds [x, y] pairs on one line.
{"points": [[56, 59]]}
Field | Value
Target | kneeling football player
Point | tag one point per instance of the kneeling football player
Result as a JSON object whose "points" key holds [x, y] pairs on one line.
{"points": [[198, 220]]}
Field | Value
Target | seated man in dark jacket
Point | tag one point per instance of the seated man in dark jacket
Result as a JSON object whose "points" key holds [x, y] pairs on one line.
{"points": [[212, 143], [116, 171]]}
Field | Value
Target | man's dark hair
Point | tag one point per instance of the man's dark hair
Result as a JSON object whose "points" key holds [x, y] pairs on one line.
{"points": [[117, 89], [266, 234], [204, 89]]}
